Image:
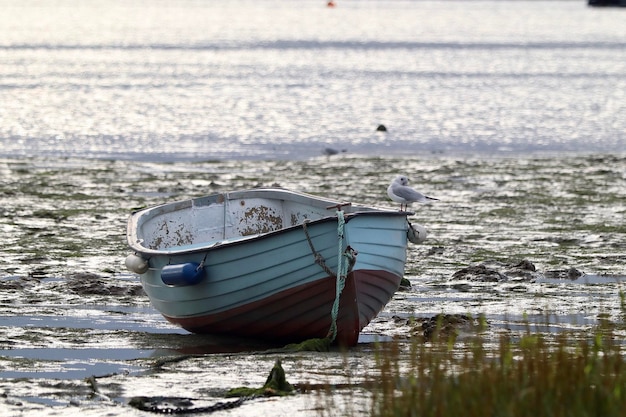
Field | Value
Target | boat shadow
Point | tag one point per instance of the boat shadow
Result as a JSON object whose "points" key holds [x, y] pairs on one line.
{"points": [[206, 344]]}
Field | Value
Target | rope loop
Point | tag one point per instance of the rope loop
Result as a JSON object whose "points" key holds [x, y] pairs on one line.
{"points": [[319, 259]]}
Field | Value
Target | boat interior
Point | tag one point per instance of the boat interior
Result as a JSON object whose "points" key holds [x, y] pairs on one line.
{"points": [[231, 216]]}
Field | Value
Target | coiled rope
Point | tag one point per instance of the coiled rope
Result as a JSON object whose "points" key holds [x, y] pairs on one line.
{"points": [[162, 405]]}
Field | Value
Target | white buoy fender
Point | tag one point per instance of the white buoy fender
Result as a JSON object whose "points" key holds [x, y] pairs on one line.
{"points": [[416, 233], [136, 264]]}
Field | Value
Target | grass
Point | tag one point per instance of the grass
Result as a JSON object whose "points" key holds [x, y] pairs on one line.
{"points": [[565, 375], [530, 377], [535, 375]]}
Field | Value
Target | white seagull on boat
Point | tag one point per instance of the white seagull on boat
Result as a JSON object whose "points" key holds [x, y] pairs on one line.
{"points": [[400, 192]]}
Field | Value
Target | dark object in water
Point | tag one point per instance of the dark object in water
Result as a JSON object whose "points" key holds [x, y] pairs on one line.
{"points": [[405, 284], [177, 405], [275, 385], [571, 274], [381, 128], [479, 273], [328, 151], [310, 345], [445, 325], [526, 265], [607, 3]]}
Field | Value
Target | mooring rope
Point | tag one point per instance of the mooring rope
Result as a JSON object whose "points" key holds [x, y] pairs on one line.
{"points": [[345, 261], [340, 281], [319, 259], [153, 405]]}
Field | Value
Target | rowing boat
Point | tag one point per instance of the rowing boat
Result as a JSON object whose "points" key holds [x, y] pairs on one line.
{"points": [[269, 263]]}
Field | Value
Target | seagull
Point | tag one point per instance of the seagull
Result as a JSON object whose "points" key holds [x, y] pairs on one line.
{"points": [[400, 192], [328, 151]]}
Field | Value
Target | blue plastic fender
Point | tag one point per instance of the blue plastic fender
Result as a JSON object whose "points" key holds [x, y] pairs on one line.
{"points": [[178, 275]]}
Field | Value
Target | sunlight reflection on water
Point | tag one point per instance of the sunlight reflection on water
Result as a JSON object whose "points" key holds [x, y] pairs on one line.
{"points": [[265, 80]]}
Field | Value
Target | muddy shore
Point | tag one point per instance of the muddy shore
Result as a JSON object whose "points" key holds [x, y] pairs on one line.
{"points": [[518, 240]]}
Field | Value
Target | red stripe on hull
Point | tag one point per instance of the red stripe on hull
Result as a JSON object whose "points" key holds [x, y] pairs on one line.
{"points": [[304, 312]]}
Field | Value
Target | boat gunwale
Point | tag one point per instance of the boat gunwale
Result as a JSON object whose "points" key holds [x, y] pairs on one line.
{"points": [[135, 243]]}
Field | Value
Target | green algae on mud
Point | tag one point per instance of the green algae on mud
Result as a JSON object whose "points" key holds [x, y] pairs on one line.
{"points": [[64, 289], [60, 205]]}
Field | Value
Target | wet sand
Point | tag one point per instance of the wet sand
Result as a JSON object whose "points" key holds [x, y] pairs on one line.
{"points": [[515, 239]]}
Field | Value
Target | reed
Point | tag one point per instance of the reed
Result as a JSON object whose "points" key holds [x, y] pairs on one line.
{"points": [[533, 375]]}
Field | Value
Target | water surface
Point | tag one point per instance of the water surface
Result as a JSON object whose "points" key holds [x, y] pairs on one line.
{"points": [[152, 80]]}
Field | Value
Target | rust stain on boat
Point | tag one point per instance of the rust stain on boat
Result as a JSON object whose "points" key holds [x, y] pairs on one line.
{"points": [[260, 219], [172, 236]]}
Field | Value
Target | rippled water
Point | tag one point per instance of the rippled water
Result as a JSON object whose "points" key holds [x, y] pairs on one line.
{"points": [[155, 80]]}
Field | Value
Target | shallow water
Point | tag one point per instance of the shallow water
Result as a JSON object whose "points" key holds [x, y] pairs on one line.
{"points": [[69, 310]]}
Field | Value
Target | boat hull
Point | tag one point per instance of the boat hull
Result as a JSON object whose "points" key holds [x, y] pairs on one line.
{"points": [[303, 312], [277, 285]]}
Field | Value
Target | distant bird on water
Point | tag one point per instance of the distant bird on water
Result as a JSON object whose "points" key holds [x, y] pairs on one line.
{"points": [[328, 151], [400, 192]]}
